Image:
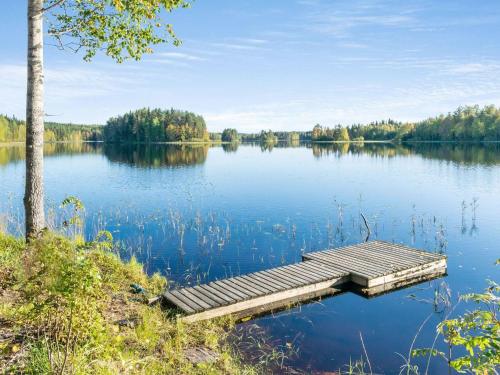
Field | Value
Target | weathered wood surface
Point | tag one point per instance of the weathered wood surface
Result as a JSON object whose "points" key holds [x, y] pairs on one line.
{"points": [[375, 267], [376, 263], [249, 293]]}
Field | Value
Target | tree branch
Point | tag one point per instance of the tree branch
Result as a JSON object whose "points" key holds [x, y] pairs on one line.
{"points": [[57, 3]]}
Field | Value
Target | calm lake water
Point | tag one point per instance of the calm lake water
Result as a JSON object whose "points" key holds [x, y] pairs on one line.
{"points": [[197, 214]]}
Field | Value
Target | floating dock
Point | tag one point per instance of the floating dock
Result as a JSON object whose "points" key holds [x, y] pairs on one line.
{"points": [[369, 268]]}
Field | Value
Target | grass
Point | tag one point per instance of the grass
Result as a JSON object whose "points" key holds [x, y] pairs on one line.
{"points": [[68, 307]]}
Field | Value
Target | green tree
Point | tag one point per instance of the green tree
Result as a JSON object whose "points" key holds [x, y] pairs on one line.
{"points": [[123, 29], [156, 125], [230, 135], [343, 135], [268, 137]]}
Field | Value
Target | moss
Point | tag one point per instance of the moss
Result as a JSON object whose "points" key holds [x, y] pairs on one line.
{"points": [[67, 307]]}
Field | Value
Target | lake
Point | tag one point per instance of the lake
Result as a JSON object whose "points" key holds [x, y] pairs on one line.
{"points": [[198, 213]]}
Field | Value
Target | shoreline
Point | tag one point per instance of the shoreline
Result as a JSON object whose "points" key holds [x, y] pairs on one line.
{"points": [[216, 143]]}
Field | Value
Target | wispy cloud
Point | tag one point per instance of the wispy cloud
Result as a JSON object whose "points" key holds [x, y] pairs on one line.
{"points": [[62, 85], [257, 41], [475, 68], [182, 56], [236, 46], [352, 45], [340, 21]]}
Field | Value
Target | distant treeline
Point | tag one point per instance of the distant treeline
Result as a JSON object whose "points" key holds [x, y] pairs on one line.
{"points": [[265, 136], [470, 123], [14, 130], [156, 125]]}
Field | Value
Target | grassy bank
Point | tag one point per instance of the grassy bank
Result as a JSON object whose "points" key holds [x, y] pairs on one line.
{"points": [[70, 307]]}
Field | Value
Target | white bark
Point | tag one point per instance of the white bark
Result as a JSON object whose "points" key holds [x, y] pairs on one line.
{"points": [[34, 194]]}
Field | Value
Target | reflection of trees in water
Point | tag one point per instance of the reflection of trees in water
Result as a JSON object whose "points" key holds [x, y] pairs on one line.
{"points": [[11, 154], [326, 149], [156, 156], [16, 153], [466, 153], [230, 147], [267, 146], [463, 153], [178, 155], [51, 149]]}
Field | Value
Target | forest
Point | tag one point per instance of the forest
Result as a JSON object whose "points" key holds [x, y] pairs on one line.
{"points": [[155, 125], [468, 123], [14, 130]]}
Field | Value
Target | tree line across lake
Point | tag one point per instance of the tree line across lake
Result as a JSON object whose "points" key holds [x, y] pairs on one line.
{"points": [[14, 130], [470, 123]]}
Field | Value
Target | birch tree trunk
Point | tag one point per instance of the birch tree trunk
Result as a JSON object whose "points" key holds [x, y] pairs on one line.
{"points": [[34, 195]]}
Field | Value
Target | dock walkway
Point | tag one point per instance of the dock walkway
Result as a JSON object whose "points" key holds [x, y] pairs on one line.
{"points": [[370, 268]]}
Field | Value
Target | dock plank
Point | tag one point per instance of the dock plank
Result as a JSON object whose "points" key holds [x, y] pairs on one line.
{"points": [[211, 290], [187, 301], [375, 266], [179, 302], [288, 276], [283, 284], [186, 292], [211, 296], [229, 289]]}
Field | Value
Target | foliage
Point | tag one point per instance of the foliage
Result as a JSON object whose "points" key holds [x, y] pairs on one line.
{"points": [[156, 125], [466, 123], [14, 130], [337, 134], [230, 135], [293, 137], [55, 131], [74, 224], [146, 125], [268, 137], [215, 137], [469, 123], [476, 335], [68, 308], [124, 29]]}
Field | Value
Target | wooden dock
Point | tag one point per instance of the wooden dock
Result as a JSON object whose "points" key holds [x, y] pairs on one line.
{"points": [[370, 268]]}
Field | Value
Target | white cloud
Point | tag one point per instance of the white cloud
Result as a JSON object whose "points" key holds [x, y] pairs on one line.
{"points": [[417, 99], [252, 40], [236, 46], [340, 20], [62, 86], [475, 68], [182, 56]]}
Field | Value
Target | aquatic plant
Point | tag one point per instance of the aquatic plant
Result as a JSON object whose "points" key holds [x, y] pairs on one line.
{"points": [[475, 335]]}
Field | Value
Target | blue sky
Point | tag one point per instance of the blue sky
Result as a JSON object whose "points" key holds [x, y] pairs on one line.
{"points": [[280, 64]]}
